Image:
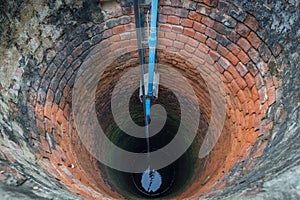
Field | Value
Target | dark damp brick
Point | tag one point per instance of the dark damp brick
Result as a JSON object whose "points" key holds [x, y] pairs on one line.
{"points": [[86, 45], [124, 20], [84, 55], [238, 15], [77, 41], [252, 68], [58, 60], [52, 69], [54, 83], [99, 29], [58, 96], [96, 39], [264, 52], [69, 73], [230, 23], [223, 40], [111, 23]]}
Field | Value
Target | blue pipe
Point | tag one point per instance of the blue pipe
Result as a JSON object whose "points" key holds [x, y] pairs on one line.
{"points": [[152, 46]]}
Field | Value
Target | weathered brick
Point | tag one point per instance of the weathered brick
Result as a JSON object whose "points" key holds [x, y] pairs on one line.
{"points": [[254, 55], [210, 33], [259, 81], [254, 40], [194, 16], [219, 68], [244, 44], [224, 63], [241, 68], [220, 28], [187, 23], [242, 30], [251, 22], [234, 49], [211, 43], [207, 21], [263, 95], [271, 95], [163, 18], [118, 30], [265, 52]]}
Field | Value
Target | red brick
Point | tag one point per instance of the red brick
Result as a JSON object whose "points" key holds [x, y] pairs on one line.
{"points": [[269, 80], [260, 150], [251, 22], [173, 20], [244, 44], [165, 27], [199, 27], [214, 55], [233, 72], [177, 29], [207, 21], [118, 29], [203, 48], [114, 38], [234, 87], [271, 95], [189, 32], [187, 23], [194, 16], [170, 35], [242, 69], [232, 58], [254, 93], [210, 33], [189, 49], [219, 68], [222, 50], [254, 40], [242, 30], [200, 37], [241, 82], [39, 109], [178, 45], [48, 110], [182, 38], [241, 96], [129, 27], [166, 42], [243, 57], [59, 116], [211, 43], [228, 76], [249, 80], [107, 33]]}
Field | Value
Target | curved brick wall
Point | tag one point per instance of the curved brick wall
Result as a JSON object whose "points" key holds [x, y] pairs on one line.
{"points": [[216, 38]]}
